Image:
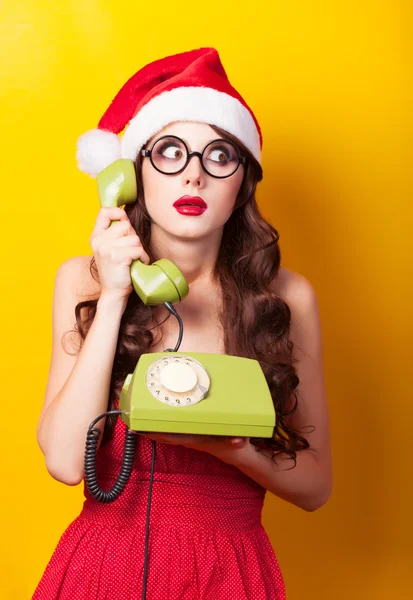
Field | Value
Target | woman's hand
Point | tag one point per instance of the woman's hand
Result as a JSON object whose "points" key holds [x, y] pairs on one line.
{"points": [[231, 450], [115, 248]]}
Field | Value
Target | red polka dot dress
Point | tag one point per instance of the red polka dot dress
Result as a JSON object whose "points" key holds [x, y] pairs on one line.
{"points": [[206, 539]]}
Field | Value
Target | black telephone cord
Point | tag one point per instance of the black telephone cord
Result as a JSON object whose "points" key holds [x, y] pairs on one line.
{"points": [[172, 310], [92, 440], [148, 512]]}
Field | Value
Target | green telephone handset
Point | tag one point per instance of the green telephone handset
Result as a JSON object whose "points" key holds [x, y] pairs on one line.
{"points": [[166, 391], [161, 281]]}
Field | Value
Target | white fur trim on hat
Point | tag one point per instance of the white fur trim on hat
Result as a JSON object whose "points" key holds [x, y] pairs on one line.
{"points": [[96, 149], [199, 104]]}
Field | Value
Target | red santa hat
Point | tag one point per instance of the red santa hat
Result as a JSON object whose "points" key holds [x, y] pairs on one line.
{"points": [[191, 86]]}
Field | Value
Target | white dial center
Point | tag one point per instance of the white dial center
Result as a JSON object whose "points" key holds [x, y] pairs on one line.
{"points": [[178, 377]]}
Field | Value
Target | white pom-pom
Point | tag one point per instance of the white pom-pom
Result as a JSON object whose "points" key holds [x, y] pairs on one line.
{"points": [[96, 149]]}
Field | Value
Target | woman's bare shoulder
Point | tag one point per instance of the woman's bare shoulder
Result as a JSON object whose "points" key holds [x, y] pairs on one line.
{"points": [[76, 270], [291, 286]]}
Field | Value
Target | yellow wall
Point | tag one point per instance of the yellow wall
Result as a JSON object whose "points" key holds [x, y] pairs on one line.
{"points": [[329, 82]]}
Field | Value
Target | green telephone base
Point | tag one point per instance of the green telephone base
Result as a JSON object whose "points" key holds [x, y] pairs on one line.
{"points": [[196, 393]]}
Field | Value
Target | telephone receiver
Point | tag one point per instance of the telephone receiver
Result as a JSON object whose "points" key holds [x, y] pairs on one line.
{"points": [[161, 281]]}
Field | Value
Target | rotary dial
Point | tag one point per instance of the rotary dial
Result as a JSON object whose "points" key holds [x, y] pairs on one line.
{"points": [[177, 380]]}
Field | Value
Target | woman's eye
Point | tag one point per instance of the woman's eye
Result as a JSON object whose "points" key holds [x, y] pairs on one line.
{"points": [[170, 151], [219, 156]]}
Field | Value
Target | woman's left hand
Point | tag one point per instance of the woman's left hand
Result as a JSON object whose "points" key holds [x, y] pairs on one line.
{"points": [[229, 449]]}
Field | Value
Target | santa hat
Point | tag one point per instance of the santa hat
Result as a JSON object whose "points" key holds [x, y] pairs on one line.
{"points": [[191, 86]]}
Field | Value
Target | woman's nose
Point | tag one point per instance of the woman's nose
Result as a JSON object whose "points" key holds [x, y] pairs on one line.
{"points": [[193, 173]]}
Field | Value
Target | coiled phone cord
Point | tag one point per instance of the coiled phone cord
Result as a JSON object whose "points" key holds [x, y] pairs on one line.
{"points": [[92, 440], [131, 438]]}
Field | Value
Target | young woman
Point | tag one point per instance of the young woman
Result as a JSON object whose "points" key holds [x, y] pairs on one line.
{"points": [[198, 210]]}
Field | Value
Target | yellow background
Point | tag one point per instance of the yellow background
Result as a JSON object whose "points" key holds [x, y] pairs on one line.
{"points": [[330, 85]]}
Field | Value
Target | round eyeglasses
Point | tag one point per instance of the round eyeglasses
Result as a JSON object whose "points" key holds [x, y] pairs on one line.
{"points": [[170, 155]]}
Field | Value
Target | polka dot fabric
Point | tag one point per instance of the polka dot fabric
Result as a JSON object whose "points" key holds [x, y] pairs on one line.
{"points": [[206, 539]]}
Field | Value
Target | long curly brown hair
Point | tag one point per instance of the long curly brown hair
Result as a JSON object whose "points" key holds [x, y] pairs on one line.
{"points": [[255, 321]]}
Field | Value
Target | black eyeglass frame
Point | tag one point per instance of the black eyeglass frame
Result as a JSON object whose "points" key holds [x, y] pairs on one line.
{"points": [[242, 160]]}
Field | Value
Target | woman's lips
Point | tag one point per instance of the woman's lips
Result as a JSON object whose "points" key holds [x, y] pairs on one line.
{"points": [[191, 211], [192, 206]]}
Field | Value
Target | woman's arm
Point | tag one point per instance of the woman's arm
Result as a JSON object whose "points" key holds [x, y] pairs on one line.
{"points": [[78, 386], [309, 483]]}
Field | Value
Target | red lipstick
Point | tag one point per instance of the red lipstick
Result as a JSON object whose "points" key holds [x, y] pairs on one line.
{"points": [[192, 206]]}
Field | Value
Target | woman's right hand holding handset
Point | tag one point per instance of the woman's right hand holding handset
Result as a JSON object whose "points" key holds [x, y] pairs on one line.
{"points": [[114, 249]]}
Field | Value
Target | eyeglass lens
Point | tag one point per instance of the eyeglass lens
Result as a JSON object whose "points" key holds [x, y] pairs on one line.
{"points": [[220, 158]]}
